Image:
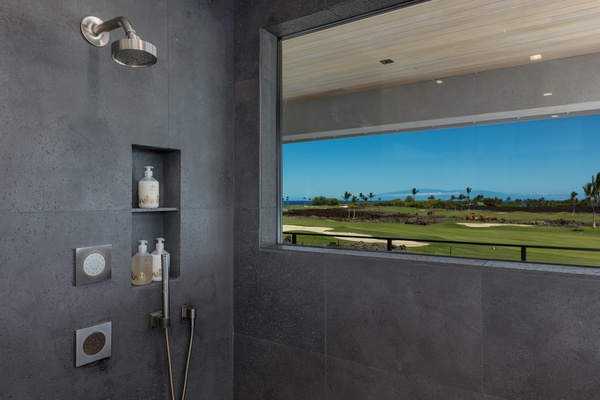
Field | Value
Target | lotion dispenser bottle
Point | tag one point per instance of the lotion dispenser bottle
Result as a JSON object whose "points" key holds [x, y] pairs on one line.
{"points": [[141, 265], [148, 190], [157, 256]]}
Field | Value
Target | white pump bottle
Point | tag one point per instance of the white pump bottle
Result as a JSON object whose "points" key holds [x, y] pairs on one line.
{"points": [[148, 190], [157, 259]]}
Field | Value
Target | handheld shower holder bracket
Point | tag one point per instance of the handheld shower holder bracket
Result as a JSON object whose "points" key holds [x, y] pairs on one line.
{"points": [[188, 311], [157, 320]]}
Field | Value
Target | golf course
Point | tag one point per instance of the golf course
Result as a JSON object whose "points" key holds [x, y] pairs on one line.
{"points": [[436, 232]]}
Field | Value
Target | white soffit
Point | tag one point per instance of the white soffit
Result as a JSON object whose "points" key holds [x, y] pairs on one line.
{"points": [[434, 40]]}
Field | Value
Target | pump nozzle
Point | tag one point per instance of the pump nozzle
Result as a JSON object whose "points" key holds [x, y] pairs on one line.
{"points": [[148, 171], [143, 247], [160, 244]]}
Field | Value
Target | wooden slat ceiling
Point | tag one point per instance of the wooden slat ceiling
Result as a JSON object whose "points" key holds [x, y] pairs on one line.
{"points": [[435, 40]]}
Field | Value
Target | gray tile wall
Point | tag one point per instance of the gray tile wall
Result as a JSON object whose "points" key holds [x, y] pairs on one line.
{"points": [[69, 116], [313, 324]]}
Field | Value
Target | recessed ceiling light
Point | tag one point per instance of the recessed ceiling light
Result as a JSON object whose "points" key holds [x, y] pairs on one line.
{"points": [[439, 81], [554, 116], [535, 57], [547, 94], [386, 61]]}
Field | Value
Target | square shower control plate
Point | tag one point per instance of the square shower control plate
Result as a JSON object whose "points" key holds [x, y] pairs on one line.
{"points": [[93, 343], [92, 264]]}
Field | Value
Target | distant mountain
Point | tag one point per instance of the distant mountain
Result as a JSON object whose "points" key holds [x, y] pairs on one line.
{"points": [[446, 194]]}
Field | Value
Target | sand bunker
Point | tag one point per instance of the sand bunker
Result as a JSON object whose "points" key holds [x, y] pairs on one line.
{"points": [[487, 225], [363, 238]]}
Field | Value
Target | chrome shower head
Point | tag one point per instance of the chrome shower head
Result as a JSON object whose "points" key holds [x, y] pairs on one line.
{"points": [[134, 52], [131, 52]]}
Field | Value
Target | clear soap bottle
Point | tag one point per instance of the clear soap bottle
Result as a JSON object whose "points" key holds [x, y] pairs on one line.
{"points": [[141, 265], [148, 190], [157, 256]]}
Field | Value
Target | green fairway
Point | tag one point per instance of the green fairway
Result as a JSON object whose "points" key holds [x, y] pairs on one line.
{"points": [[511, 215], [584, 237]]}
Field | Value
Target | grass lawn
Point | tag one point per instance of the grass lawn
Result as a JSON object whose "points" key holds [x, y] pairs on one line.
{"points": [[512, 215], [585, 237]]}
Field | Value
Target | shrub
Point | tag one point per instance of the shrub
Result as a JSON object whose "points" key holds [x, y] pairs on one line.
{"points": [[396, 203], [326, 201]]}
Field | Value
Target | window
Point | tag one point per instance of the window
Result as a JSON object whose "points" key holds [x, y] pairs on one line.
{"points": [[444, 129]]}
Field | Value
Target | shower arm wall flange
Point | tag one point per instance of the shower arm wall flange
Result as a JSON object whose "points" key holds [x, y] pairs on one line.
{"points": [[95, 31]]}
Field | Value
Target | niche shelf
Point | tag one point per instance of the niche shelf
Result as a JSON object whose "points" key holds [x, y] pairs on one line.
{"points": [[165, 221], [160, 209]]}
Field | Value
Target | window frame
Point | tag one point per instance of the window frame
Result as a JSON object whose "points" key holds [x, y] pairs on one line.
{"points": [[270, 190]]}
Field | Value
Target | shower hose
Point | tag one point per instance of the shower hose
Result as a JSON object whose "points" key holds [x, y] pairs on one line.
{"points": [[189, 357]]}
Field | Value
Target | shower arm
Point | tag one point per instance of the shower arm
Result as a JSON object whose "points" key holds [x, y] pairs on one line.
{"points": [[113, 24], [131, 52]]}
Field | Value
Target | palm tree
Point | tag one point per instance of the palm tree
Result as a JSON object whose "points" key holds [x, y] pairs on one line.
{"points": [[596, 182], [461, 197], [573, 200], [365, 198], [347, 196], [469, 197], [431, 200], [371, 195], [591, 196], [594, 194], [353, 203], [414, 194]]}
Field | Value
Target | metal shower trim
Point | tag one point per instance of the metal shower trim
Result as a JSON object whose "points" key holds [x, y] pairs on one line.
{"points": [[131, 52]]}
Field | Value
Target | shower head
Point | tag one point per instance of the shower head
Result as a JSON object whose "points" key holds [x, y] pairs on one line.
{"points": [[132, 52]]}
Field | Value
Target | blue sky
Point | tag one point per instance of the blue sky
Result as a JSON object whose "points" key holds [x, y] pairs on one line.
{"points": [[555, 156]]}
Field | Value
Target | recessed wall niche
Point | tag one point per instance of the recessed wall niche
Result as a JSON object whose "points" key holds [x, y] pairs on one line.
{"points": [[164, 221]]}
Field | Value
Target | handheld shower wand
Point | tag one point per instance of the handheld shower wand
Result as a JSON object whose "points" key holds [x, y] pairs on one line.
{"points": [[163, 319], [165, 265], [166, 312]]}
